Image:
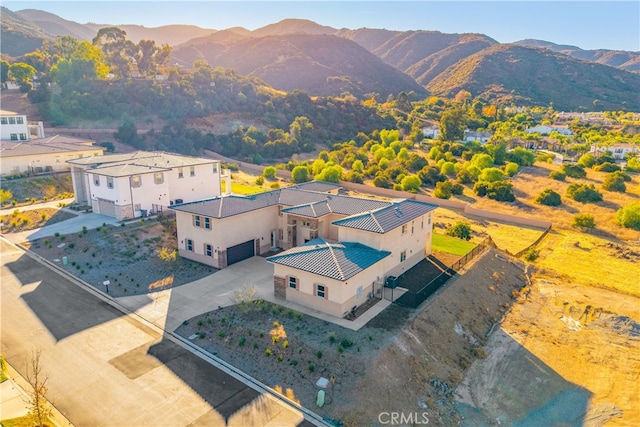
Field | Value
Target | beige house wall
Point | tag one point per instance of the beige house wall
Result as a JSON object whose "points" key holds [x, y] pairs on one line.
{"points": [[225, 233], [12, 165], [342, 296]]}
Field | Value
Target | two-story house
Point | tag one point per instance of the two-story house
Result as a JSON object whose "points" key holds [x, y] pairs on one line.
{"points": [[328, 239], [135, 184]]}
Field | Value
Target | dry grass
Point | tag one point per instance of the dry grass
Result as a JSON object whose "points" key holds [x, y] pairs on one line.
{"points": [[591, 261]]}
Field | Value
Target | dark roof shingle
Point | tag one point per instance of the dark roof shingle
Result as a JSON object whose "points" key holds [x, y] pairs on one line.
{"points": [[387, 218]]}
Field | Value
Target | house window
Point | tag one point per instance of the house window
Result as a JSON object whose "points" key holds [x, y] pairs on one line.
{"points": [[403, 256], [359, 292], [180, 173], [293, 282], [158, 177], [321, 291], [208, 250], [23, 137], [207, 223], [412, 222], [109, 182], [422, 224], [196, 220], [19, 120], [429, 219], [96, 180], [12, 120], [190, 245], [404, 229], [306, 224], [14, 136], [3, 120], [192, 171], [136, 181], [215, 168]]}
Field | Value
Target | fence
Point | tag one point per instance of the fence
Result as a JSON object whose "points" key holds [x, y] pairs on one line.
{"points": [[413, 299]]}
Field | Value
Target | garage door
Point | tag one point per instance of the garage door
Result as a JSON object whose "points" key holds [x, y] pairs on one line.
{"points": [[107, 207], [239, 252]]}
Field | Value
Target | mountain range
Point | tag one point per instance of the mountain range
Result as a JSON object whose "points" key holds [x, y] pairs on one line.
{"points": [[321, 60]]}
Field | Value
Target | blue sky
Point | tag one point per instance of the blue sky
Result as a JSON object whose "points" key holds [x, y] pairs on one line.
{"points": [[586, 24]]}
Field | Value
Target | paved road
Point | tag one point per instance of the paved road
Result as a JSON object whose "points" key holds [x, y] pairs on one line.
{"points": [[107, 368]]}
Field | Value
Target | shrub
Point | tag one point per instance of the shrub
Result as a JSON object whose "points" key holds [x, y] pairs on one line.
{"points": [[584, 220], [168, 255], [259, 180], [411, 183], [269, 172], [574, 171], [311, 367], [457, 189], [267, 352], [548, 197], [511, 169], [491, 175], [531, 254], [300, 174], [584, 193], [461, 230], [501, 191], [319, 354], [241, 341], [614, 182], [633, 165], [381, 181], [465, 176], [607, 167], [521, 156], [557, 175], [275, 185], [629, 215], [587, 160], [443, 190], [448, 168]]}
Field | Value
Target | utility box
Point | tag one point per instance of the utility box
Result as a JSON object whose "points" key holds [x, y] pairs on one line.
{"points": [[391, 282]]}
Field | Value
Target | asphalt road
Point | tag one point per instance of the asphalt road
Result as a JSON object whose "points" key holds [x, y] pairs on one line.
{"points": [[107, 368]]}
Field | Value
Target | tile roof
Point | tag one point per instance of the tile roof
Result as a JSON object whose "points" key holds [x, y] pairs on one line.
{"points": [[143, 158], [51, 145], [320, 186], [336, 260], [387, 218], [301, 202]]}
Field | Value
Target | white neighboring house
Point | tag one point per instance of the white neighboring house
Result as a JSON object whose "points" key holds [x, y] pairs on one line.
{"points": [[336, 246], [547, 129], [15, 127], [431, 132], [618, 151], [136, 184], [482, 137]]}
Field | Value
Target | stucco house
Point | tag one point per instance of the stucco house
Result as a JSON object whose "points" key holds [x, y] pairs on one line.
{"points": [[335, 246], [44, 154], [135, 184], [16, 127], [618, 151], [547, 129], [482, 137]]}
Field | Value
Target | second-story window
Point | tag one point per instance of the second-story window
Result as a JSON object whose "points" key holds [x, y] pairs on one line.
{"points": [[158, 177], [192, 171], [196, 220], [96, 180], [180, 173], [404, 228], [207, 223], [19, 120], [109, 182], [136, 181]]}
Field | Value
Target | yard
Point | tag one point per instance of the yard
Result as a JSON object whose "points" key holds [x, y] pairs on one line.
{"points": [[135, 258]]}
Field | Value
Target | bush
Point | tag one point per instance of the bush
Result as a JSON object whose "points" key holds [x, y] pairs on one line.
{"points": [[521, 156], [584, 221], [269, 172], [461, 230], [629, 215], [300, 174], [411, 183], [511, 169], [465, 176], [614, 182], [259, 180], [607, 167], [491, 175], [574, 171], [587, 160], [557, 175], [443, 190], [633, 165], [502, 191], [457, 189], [531, 254], [548, 197], [584, 193], [381, 181]]}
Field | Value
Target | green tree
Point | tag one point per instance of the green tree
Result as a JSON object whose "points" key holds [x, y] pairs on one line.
{"points": [[587, 160], [330, 174], [382, 181], [521, 156], [448, 168], [584, 193], [5, 196], [548, 197], [557, 175], [461, 230], [357, 166], [453, 123], [4, 71], [629, 216], [511, 169], [21, 72], [481, 161], [584, 221], [491, 175], [128, 134], [300, 174], [443, 190], [614, 182], [301, 131], [411, 183], [573, 171], [269, 172]]}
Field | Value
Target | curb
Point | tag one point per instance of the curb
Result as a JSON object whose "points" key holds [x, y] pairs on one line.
{"points": [[215, 361]]}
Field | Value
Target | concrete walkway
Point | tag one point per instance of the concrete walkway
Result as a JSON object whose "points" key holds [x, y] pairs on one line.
{"points": [[170, 308]]}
